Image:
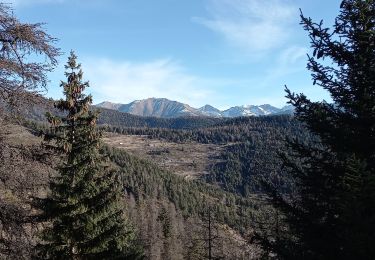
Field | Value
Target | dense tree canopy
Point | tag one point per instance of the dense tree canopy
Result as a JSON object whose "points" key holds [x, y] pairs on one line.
{"points": [[331, 214]]}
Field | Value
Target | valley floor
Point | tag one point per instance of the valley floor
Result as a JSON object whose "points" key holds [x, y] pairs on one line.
{"points": [[190, 160]]}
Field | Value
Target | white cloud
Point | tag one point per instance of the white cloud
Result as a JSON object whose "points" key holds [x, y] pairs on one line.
{"points": [[254, 25], [291, 60], [287, 69], [127, 81], [293, 55]]}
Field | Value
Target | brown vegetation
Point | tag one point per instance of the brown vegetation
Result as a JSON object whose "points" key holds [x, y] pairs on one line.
{"points": [[21, 73], [190, 159], [24, 174]]}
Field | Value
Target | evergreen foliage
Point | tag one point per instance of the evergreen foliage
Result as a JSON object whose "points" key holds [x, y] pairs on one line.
{"points": [[242, 129], [248, 153], [120, 119], [85, 206], [331, 212], [146, 180]]}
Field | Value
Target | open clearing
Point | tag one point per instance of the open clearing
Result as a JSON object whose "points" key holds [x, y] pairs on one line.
{"points": [[190, 160]]}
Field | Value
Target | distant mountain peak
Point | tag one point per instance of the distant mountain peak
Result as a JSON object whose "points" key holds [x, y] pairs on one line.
{"points": [[165, 108], [207, 106], [109, 105], [209, 110]]}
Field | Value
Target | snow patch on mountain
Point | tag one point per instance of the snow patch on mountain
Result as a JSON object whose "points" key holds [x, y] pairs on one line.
{"points": [[162, 107]]}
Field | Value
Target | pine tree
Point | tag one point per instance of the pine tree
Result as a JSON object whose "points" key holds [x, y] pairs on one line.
{"points": [[85, 207], [331, 212]]}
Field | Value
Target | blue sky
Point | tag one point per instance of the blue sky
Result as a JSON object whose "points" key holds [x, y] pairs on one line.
{"points": [[218, 52]]}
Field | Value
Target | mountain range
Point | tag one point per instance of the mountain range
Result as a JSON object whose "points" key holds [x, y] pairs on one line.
{"points": [[165, 108]]}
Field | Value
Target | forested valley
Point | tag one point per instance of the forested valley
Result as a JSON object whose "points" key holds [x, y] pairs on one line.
{"points": [[82, 182], [230, 190]]}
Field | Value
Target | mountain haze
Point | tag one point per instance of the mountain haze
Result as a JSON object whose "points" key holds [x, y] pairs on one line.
{"points": [[165, 108]]}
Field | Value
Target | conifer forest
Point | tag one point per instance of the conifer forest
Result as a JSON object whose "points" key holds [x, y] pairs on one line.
{"points": [[81, 180]]}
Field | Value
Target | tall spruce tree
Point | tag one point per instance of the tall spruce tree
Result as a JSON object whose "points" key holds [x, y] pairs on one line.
{"points": [[331, 213], [85, 205]]}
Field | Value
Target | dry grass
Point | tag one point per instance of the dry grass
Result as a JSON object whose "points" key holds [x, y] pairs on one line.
{"points": [[16, 135], [186, 159]]}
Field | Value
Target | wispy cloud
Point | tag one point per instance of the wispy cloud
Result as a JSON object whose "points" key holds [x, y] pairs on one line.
{"points": [[126, 81], [291, 60], [289, 63], [253, 25]]}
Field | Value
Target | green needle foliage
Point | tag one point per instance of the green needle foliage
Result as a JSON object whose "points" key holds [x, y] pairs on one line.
{"points": [[85, 207], [331, 212]]}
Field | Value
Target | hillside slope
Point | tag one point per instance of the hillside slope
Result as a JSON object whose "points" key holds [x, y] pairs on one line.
{"points": [[25, 171]]}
